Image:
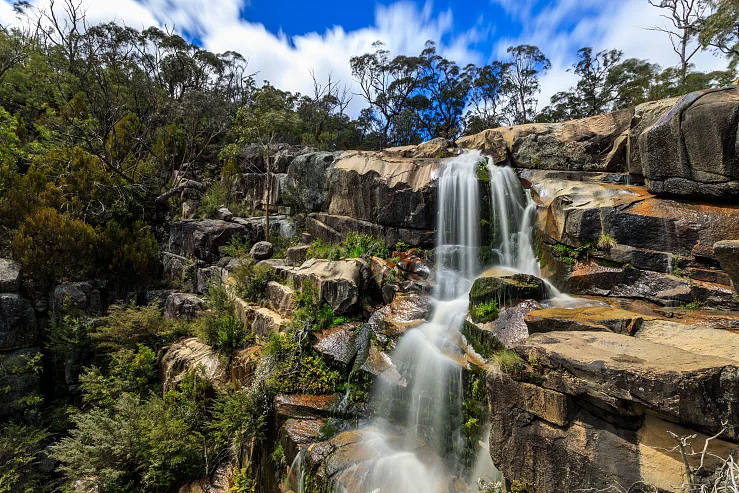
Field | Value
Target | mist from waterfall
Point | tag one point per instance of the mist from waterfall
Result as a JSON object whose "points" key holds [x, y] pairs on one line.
{"points": [[430, 357]]}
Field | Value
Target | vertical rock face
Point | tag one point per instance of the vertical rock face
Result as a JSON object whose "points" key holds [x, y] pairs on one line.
{"points": [[9, 275], [596, 409], [17, 322], [306, 183], [691, 151]]}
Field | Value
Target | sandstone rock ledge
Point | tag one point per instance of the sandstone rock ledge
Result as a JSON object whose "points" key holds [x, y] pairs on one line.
{"points": [[597, 409]]}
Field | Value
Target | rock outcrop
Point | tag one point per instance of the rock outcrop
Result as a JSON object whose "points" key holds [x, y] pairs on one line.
{"points": [[691, 151], [598, 408], [580, 145]]}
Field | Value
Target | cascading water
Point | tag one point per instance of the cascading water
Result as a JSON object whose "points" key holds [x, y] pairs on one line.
{"points": [[430, 408]]}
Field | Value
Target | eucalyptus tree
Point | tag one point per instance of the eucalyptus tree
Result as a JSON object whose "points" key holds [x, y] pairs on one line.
{"points": [[387, 85], [486, 97], [527, 64], [684, 20]]}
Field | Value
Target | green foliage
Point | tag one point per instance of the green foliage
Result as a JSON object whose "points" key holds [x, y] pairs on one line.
{"points": [[693, 305], [606, 242], [298, 369], [569, 255], [483, 174], [220, 327], [507, 361], [243, 482], [20, 446], [484, 312], [353, 246], [238, 247], [129, 256], [250, 280], [214, 198], [54, 247], [137, 445], [128, 326]]}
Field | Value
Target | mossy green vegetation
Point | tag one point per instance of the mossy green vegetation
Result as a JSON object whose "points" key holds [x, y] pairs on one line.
{"points": [[354, 246], [484, 312], [569, 255], [250, 280]]}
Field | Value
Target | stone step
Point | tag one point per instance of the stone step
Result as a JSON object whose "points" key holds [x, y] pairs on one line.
{"points": [[624, 375]]}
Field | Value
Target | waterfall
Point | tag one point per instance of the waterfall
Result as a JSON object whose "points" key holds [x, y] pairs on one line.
{"points": [[512, 212], [430, 408]]}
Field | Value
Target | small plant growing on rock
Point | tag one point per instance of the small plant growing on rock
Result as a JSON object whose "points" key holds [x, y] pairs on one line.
{"points": [[606, 242], [238, 247], [484, 312], [508, 361]]}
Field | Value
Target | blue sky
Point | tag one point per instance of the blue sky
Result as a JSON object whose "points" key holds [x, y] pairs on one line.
{"points": [[284, 40]]}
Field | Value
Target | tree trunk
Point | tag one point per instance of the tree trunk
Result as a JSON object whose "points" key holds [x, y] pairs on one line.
{"points": [[269, 193]]}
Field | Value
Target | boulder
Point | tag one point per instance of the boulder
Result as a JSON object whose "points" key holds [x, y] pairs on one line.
{"points": [[506, 288], [298, 254], [550, 441], [333, 229], [695, 339], [261, 320], [508, 330], [344, 344], [583, 144], [298, 406], [192, 355], [203, 239], [10, 271], [251, 188], [224, 214], [262, 250], [390, 192], [281, 298], [306, 184], [589, 318], [183, 305], [727, 252], [435, 148], [340, 283], [691, 150], [206, 276], [645, 115], [17, 322], [77, 296]]}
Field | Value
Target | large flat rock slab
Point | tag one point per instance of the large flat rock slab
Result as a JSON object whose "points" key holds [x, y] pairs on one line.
{"points": [[588, 318], [625, 374], [699, 340]]}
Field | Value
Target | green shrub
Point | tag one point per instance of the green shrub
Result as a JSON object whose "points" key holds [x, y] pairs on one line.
{"points": [[220, 328], [20, 447], [238, 247], [508, 361], [606, 242], [298, 369], [353, 246], [129, 256], [53, 247], [250, 280], [128, 326], [214, 198], [484, 312]]}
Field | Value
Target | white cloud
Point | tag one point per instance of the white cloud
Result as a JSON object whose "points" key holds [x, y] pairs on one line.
{"points": [[619, 24]]}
